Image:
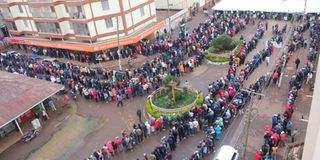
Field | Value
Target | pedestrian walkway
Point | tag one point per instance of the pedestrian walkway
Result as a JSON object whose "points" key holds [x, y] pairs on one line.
{"points": [[273, 103]]}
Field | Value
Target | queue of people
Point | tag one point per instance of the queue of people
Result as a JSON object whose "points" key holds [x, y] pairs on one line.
{"points": [[211, 117], [281, 124], [100, 84]]}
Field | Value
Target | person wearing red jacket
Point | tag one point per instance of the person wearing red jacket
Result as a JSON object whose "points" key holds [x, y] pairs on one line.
{"points": [[282, 139], [118, 143], [275, 139], [258, 155], [94, 94], [129, 92]]}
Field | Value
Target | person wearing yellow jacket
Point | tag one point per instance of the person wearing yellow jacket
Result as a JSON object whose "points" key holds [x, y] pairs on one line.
{"points": [[181, 69]]}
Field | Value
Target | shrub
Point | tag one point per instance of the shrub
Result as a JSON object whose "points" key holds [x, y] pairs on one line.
{"points": [[151, 110], [237, 42], [213, 58], [222, 43], [168, 78], [199, 100]]}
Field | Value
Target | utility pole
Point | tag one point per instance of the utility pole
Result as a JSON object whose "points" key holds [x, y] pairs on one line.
{"points": [[305, 7], [249, 119], [118, 40], [168, 5]]}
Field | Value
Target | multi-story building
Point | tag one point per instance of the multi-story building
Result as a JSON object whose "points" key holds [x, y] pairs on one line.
{"points": [[70, 24]]}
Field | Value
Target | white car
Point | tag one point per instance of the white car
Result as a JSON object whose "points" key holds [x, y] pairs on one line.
{"points": [[226, 152]]}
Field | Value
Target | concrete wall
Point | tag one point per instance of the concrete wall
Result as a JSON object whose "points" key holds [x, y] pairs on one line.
{"points": [[176, 4], [311, 150]]}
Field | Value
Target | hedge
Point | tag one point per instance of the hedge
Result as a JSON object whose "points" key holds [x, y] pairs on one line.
{"points": [[213, 58], [156, 114]]}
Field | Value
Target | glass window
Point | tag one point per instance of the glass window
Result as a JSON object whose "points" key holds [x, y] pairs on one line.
{"points": [[71, 25], [20, 9], [109, 23], [25, 23], [52, 9], [48, 27], [142, 11], [105, 4]]}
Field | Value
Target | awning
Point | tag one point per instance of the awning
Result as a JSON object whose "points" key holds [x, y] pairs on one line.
{"points": [[85, 47]]}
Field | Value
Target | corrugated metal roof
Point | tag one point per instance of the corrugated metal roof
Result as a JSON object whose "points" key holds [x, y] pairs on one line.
{"points": [[19, 94]]}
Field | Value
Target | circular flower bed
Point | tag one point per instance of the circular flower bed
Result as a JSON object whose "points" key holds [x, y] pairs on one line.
{"points": [[160, 102]]}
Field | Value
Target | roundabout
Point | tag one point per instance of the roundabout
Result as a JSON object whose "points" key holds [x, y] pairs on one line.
{"points": [[172, 100]]}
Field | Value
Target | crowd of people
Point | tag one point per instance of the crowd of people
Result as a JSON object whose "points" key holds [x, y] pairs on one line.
{"points": [[211, 117], [224, 101], [100, 84], [276, 135]]}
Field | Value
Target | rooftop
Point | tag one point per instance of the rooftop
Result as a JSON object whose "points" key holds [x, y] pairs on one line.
{"points": [[20, 93]]}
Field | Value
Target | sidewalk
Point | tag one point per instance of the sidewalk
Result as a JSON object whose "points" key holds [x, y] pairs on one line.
{"points": [[274, 103]]}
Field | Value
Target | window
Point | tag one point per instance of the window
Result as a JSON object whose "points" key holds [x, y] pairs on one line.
{"points": [[20, 9], [105, 4], [71, 25], [142, 11], [48, 27], [109, 23], [25, 23], [52, 9], [80, 29]]}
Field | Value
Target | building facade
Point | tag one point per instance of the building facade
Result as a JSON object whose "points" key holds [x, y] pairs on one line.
{"points": [[86, 21]]}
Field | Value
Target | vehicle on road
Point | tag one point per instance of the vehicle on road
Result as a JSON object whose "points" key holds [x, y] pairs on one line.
{"points": [[226, 152], [30, 135]]}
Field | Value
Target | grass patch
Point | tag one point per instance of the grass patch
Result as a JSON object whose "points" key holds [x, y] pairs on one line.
{"points": [[183, 98]]}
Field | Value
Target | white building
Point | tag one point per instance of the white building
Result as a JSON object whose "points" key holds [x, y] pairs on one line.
{"points": [[86, 21], [178, 4]]}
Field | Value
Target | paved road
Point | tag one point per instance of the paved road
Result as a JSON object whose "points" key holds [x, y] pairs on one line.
{"points": [[104, 121]]}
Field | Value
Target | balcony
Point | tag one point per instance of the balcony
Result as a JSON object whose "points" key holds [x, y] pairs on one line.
{"points": [[43, 15], [76, 12], [81, 29], [77, 15]]}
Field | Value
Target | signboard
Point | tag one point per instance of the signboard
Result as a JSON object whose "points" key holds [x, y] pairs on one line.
{"points": [[26, 116], [87, 47]]}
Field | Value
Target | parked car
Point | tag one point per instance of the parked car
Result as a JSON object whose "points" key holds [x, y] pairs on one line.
{"points": [[226, 152]]}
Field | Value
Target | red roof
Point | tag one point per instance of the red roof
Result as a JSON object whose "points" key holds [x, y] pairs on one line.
{"points": [[19, 94]]}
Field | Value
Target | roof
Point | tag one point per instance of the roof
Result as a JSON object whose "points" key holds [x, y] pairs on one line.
{"points": [[284, 6], [20, 93]]}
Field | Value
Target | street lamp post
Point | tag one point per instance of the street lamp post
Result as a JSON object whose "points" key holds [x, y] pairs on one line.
{"points": [[168, 5], [118, 41], [249, 119]]}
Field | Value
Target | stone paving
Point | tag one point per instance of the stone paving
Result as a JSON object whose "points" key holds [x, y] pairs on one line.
{"points": [[92, 124]]}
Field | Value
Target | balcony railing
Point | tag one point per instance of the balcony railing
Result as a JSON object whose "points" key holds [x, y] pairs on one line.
{"points": [[44, 15], [77, 15], [81, 29]]}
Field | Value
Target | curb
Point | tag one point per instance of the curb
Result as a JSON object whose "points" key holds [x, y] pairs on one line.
{"points": [[217, 63]]}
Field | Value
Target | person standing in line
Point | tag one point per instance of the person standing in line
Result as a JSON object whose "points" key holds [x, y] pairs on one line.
{"points": [[139, 114], [266, 26], [120, 100], [297, 63], [267, 60]]}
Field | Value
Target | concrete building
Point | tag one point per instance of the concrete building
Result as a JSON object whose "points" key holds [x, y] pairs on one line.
{"points": [[178, 4], [86, 21], [312, 142]]}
